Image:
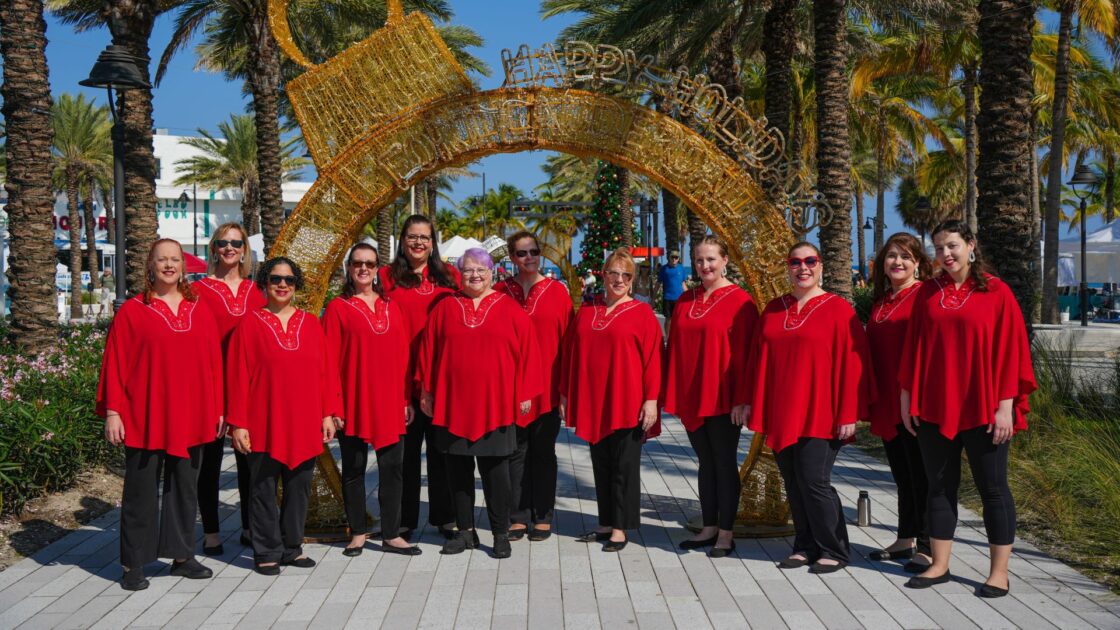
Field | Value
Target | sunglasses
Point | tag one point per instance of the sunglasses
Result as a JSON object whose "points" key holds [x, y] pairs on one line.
{"points": [[236, 243], [368, 264], [615, 275], [522, 253], [276, 280], [809, 261]]}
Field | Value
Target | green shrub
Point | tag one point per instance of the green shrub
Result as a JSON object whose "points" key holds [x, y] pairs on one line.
{"points": [[49, 433], [862, 302]]}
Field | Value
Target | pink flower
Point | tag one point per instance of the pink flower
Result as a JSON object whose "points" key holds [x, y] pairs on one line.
{"points": [[47, 437]]}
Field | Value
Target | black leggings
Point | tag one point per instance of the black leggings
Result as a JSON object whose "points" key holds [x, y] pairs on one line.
{"points": [[905, 459], [532, 470], [209, 475], [942, 458], [494, 472], [390, 465], [818, 516], [616, 462], [440, 510], [716, 443]]}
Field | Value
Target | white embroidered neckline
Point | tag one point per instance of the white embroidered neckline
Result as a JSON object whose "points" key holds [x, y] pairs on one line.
{"points": [[803, 315]]}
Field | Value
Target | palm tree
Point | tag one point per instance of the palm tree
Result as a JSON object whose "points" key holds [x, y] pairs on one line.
{"points": [[27, 102], [83, 156], [230, 161]]}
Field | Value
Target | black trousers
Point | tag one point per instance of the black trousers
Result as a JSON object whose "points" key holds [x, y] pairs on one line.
{"points": [[942, 458], [716, 444], [494, 472], [278, 535], [151, 529], [905, 459], [616, 463], [390, 466], [440, 510], [818, 516], [208, 481], [532, 470]]}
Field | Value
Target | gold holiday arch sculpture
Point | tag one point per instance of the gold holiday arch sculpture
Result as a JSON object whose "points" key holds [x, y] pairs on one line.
{"points": [[397, 107]]}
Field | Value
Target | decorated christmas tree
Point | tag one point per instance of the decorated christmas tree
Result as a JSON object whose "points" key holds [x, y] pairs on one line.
{"points": [[604, 226]]}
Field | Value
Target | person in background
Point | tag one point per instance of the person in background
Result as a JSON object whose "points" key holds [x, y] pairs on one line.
{"points": [[672, 278], [108, 291]]}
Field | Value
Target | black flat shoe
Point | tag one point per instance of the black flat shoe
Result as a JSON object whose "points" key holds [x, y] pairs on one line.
{"points": [[988, 591], [882, 554], [352, 552], [613, 546], [246, 539], [793, 563], [299, 563], [914, 567], [460, 543], [517, 534], [270, 569], [594, 536], [821, 569], [926, 582], [134, 580], [191, 569], [403, 551], [721, 552], [216, 550], [688, 545], [538, 535], [502, 548], [447, 532]]}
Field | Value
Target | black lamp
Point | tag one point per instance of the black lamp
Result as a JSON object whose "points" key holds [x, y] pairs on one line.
{"points": [[1084, 183]]}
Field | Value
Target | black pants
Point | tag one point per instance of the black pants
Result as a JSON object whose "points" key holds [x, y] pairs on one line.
{"points": [[390, 465], [616, 462], [440, 511], [494, 472], [208, 481], [818, 516], [532, 470], [278, 536], [942, 458], [716, 444], [905, 459], [149, 529]]}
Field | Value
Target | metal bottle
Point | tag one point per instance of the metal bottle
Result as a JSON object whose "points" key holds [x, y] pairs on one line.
{"points": [[863, 509]]}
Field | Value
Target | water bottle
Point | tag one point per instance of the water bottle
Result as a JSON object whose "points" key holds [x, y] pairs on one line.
{"points": [[863, 509]]}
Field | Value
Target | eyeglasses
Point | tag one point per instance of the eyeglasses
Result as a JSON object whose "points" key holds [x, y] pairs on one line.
{"points": [[475, 272], [222, 243], [368, 264], [522, 253], [276, 280], [809, 261], [418, 238], [615, 275], [674, 258]]}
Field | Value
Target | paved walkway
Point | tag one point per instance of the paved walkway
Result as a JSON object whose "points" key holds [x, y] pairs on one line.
{"points": [[561, 583]]}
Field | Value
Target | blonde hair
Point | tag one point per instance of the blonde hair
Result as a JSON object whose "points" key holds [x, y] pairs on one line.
{"points": [[621, 256], [246, 266]]}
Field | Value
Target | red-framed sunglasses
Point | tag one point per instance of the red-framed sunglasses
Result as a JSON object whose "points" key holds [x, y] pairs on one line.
{"points": [[809, 261]]}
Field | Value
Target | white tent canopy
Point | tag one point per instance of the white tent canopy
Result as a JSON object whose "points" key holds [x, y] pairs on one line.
{"points": [[1102, 249], [454, 247]]}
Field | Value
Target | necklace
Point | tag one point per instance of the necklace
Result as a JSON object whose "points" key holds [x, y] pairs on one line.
{"points": [[795, 320]]}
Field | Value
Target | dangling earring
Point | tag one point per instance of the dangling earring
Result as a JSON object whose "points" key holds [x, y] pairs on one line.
{"points": [[723, 272], [917, 274], [972, 256]]}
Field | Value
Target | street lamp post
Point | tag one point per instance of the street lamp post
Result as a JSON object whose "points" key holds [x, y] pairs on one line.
{"points": [[194, 219], [117, 68], [1084, 183]]}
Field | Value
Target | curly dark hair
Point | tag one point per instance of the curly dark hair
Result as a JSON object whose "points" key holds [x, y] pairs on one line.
{"points": [[266, 270]]}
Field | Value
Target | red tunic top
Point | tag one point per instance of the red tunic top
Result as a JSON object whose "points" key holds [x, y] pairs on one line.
{"points": [[280, 385], [370, 351], [611, 365], [416, 305], [966, 351], [549, 307], [886, 335], [228, 309], [479, 364], [707, 371], [162, 372], [812, 370]]}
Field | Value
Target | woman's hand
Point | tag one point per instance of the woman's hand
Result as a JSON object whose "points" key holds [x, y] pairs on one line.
{"points": [[328, 429], [240, 439], [740, 414], [114, 428], [525, 406], [427, 403], [223, 428], [339, 423], [562, 408], [409, 415], [1004, 426], [908, 422], [845, 431], [649, 415]]}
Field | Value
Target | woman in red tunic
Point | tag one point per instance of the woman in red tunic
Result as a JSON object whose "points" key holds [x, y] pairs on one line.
{"points": [[609, 383], [229, 294], [812, 383], [707, 382], [416, 280], [532, 467], [367, 338], [161, 396], [965, 375], [895, 277], [479, 371], [283, 395]]}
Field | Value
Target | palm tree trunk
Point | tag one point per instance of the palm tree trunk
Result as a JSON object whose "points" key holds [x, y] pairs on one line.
{"points": [[833, 150], [670, 206], [880, 183], [73, 202], [860, 239], [778, 47], [251, 207], [27, 103], [431, 196], [384, 234], [969, 88], [1003, 126], [264, 81], [1054, 177], [90, 222], [1036, 214]]}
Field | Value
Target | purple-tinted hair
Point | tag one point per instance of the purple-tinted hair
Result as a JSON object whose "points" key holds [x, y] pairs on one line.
{"points": [[478, 255]]}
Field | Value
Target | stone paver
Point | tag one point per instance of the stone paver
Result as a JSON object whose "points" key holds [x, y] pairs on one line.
{"points": [[559, 582]]}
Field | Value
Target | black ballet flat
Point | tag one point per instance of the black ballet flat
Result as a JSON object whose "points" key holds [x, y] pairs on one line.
{"points": [[502, 548], [689, 545], [134, 580], [822, 569], [882, 555], [191, 569], [539, 535], [353, 552], [271, 569], [594, 536], [402, 551], [721, 552], [299, 563], [517, 534], [914, 567], [216, 550], [615, 546], [793, 563], [926, 582], [987, 591]]}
